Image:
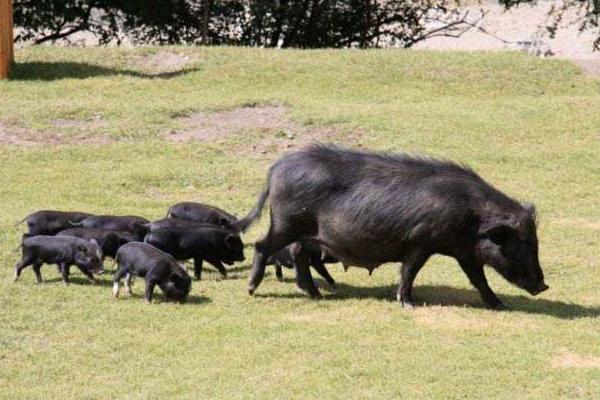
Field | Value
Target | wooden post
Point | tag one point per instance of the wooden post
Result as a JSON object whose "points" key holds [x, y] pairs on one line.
{"points": [[6, 37]]}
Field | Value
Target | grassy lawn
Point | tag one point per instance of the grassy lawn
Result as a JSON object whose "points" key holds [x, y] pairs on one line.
{"points": [[97, 122]]}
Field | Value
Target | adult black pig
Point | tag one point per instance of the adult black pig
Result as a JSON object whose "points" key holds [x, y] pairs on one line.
{"points": [[214, 244], [286, 258], [109, 241], [369, 208], [157, 267], [62, 250], [49, 222], [127, 223], [199, 212]]}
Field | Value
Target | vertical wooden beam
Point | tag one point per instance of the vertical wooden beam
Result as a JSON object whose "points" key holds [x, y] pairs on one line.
{"points": [[11, 33], [6, 37]]}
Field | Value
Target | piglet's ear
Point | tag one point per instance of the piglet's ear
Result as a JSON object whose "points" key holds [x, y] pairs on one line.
{"points": [[499, 233]]}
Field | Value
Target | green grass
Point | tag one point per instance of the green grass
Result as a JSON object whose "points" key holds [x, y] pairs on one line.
{"points": [[529, 126]]}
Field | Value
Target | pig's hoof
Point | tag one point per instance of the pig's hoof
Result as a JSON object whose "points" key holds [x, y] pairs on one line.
{"points": [[499, 307], [405, 303], [251, 290], [316, 296]]}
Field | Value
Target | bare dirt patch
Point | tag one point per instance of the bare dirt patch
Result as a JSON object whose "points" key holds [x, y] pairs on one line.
{"points": [[163, 61], [19, 136], [16, 136], [567, 359], [269, 126]]}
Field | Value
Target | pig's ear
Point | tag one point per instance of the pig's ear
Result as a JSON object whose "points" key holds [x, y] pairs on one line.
{"points": [[231, 240], [95, 242], [498, 232], [224, 222]]}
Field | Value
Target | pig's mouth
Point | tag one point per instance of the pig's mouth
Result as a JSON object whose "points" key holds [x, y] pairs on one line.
{"points": [[537, 289]]}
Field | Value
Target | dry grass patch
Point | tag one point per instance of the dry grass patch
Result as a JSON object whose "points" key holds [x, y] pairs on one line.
{"points": [[568, 359], [445, 318], [585, 223]]}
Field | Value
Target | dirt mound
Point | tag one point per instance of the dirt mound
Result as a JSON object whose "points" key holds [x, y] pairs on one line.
{"points": [[163, 61], [271, 123]]}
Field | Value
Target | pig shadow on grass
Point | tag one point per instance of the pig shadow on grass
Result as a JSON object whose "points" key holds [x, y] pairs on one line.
{"points": [[80, 280], [452, 296], [51, 71], [427, 295], [159, 298]]}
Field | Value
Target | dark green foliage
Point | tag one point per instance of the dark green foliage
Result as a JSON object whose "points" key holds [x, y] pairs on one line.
{"points": [[279, 23]]}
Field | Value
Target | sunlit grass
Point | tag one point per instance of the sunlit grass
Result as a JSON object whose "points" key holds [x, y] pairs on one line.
{"points": [[529, 126]]}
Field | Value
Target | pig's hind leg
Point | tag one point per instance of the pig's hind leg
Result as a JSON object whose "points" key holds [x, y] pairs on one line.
{"points": [[121, 272], [128, 279], [21, 265]]}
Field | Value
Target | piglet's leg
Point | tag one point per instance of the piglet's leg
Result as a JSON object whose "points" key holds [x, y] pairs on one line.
{"points": [[278, 272], [218, 265], [319, 266], [121, 272], [149, 290], [36, 269], [304, 278], [128, 279], [87, 273], [21, 265], [65, 270], [198, 268]]}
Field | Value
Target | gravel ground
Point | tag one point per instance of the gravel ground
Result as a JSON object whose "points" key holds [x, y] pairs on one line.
{"points": [[522, 28]]}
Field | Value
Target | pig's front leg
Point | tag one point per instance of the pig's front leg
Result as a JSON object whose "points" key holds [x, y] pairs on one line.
{"points": [[198, 268], [150, 283], [87, 273], [278, 272], [218, 265], [38, 274], [65, 270]]}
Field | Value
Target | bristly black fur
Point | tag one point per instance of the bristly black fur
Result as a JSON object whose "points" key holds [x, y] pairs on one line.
{"points": [[369, 208]]}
